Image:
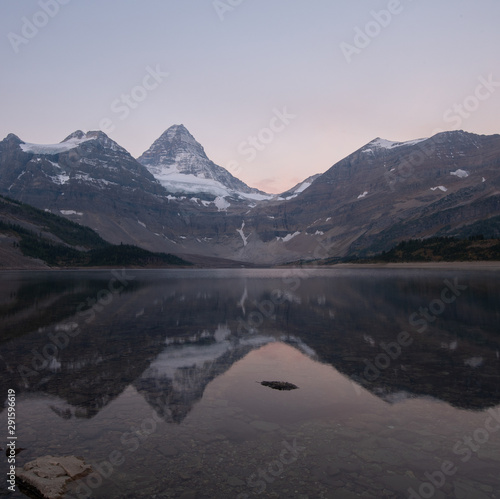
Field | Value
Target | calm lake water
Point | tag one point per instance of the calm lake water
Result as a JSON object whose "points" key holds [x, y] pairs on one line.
{"points": [[154, 378]]}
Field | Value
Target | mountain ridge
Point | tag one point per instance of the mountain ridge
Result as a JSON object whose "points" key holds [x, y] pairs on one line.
{"points": [[377, 196]]}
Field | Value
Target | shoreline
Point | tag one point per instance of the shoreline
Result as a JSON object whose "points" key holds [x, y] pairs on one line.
{"points": [[420, 265], [480, 265]]}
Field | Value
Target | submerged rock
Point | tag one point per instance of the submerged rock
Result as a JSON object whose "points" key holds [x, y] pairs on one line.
{"points": [[279, 385], [47, 476]]}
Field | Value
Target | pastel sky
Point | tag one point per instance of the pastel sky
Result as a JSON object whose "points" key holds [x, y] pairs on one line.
{"points": [[275, 90]]}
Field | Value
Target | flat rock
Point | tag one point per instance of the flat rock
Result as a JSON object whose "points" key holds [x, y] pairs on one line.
{"points": [[279, 385], [48, 475]]}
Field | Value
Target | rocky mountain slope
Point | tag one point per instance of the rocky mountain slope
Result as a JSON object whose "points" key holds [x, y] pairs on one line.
{"points": [[174, 199], [31, 238], [387, 192]]}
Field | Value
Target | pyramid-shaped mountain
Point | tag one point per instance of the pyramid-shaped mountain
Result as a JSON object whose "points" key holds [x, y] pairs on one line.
{"points": [[181, 165]]}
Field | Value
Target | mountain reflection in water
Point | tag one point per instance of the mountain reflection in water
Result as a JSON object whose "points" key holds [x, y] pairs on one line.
{"points": [[372, 351]]}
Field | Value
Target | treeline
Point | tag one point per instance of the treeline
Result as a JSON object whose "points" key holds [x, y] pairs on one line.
{"points": [[127, 254], [437, 249], [98, 252], [58, 255], [66, 230]]}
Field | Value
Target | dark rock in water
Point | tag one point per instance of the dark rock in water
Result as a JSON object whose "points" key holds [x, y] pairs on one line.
{"points": [[279, 385], [47, 476]]}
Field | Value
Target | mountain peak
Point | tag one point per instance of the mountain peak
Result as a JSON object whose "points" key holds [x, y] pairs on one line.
{"points": [[72, 141], [173, 143], [13, 137], [180, 137], [451, 135], [178, 161], [75, 135], [455, 134], [177, 129], [380, 143], [100, 137]]}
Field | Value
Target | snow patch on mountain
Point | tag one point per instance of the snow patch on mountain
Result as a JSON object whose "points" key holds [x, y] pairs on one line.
{"points": [[361, 196], [388, 144], [303, 187], [177, 182], [288, 237], [298, 189], [460, 173], [71, 212], [51, 149], [60, 179], [440, 187], [221, 203], [241, 233]]}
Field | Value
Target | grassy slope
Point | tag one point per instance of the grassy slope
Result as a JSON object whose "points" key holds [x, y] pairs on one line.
{"points": [[15, 217]]}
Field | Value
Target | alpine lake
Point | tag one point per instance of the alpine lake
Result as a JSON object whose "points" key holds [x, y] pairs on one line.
{"points": [[154, 377]]}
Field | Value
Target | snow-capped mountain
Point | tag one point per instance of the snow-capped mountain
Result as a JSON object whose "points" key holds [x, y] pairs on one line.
{"points": [[92, 180], [180, 164], [378, 144], [388, 191], [182, 203], [89, 159]]}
